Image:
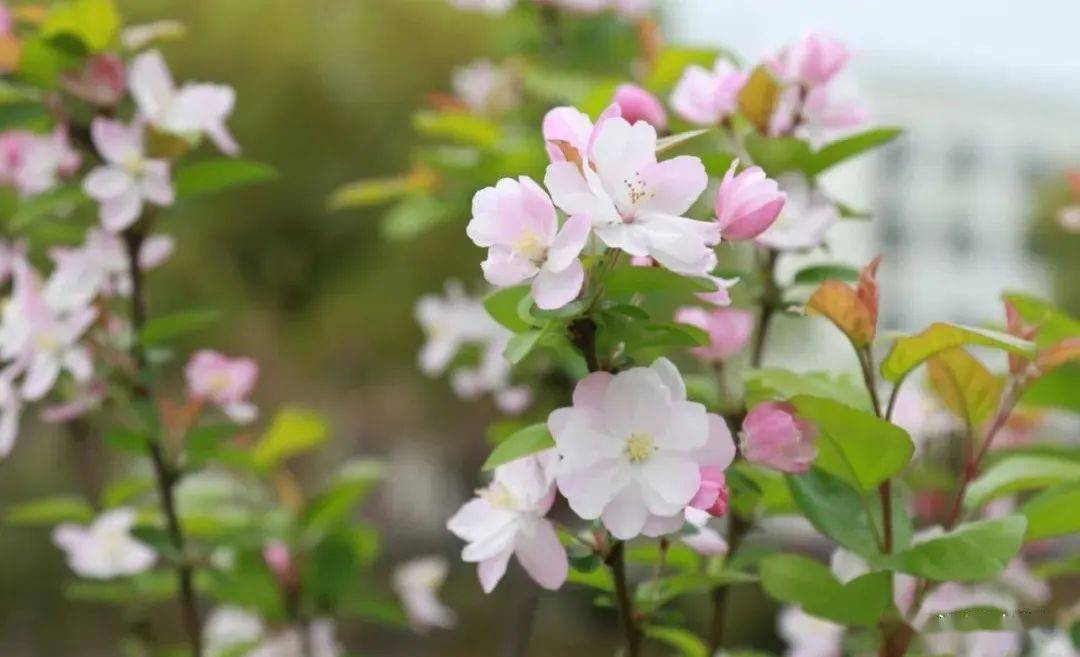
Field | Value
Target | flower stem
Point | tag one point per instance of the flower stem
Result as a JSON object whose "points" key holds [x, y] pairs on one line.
{"points": [[165, 475], [616, 560]]}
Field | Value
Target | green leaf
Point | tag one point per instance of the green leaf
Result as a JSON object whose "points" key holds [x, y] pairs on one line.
{"points": [[168, 327], [292, 432], [416, 215], [1018, 473], [334, 505], [777, 155], [1057, 389], [844, 149], [684, 641], [123, 440], [529, 440], [18, 114], [971, 552], [1053, 512], [1054, 325], [909, 352], [52, 203], [334, 568], [121, 491], [964, 385], [816, 274], [219, 174], [461, 127], [768, 487], [42, 60], [652, 594], [798, 580], [971, 619], [93, 22], [671, 141], [522, 344], [856, 446], [372, 191], [49, 511], [672, 61], [835, 509], [597, 578], [774, 384], [633, 280], [503, 304], [153, 586]]}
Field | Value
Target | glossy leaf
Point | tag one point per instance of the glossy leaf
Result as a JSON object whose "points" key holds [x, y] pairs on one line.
{"points": [[531, 439], [964, 385], [909, 352], [774, 384], [632, 280], [840, 304], [798, 580], [49, 511], [220, 174], [777, 155], [816, 274], [1018, 473], [1053, 512], [503, 305], [292, 432], [971, 552], [835, 509], [854, 445], [844, 149], [93, 22], [685, 642]]}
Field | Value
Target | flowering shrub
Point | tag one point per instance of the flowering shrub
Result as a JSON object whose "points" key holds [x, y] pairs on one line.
{"points": [[612, 266], [98, 143]]}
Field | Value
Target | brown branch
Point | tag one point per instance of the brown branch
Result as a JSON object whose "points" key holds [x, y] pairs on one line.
{"points": [[616, 560], [166, 477]]}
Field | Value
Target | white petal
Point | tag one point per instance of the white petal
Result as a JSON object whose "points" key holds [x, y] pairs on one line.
{"points": [[555, 289], [541, 554], [151, 84], [675, 480], [491, 570], [107, 182], [625, 515]]}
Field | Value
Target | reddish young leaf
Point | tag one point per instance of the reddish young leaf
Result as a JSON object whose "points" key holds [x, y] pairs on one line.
{"points": [[840, 304], [867, 288]]}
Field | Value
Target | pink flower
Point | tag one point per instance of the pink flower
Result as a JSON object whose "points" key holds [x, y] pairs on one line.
{"points": [[721, 297], [705, 540], [485, 88], [100, 81], [706, 98], [99, 266], [805, 218], [517, 222], [105, 549], [193, 110], [815, 60], [636, 104], [569, 132], [6, 23], [225, 382], [636, 203], [128, 178], [819, 116], [747, 203], [33, 163], [632, 449], [728, 329], [773, 435], [507, 519], [279, 560], [712, 495]]}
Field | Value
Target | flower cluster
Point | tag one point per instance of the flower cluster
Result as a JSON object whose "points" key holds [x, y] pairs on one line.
{"points": [[627, 8]]}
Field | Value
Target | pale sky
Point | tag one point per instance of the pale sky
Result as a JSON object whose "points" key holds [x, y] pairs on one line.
{"points": [[1028, 45]]}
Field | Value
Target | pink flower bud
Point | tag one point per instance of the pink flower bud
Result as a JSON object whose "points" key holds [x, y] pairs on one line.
{"points": [[707, 97], [728, 329], [815, 60], [712, 495], [773, 435], [279, 560], [636, 104], [747, 203], [100, 81]]}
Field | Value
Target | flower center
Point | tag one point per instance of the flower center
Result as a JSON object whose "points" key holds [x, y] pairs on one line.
{"points": [[636, 191], [45, 341], [134, 164], [639, 447], [528, 245], [219, 382], [498, 496]]}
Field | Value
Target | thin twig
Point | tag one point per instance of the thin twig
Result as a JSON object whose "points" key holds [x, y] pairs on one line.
{"points": [[616, 560], [165, 475]]}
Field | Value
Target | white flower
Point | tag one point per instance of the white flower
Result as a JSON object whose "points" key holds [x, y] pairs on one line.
{"points": [[809, 636], [493, 7], [632, 447], [806, 217], [706, 540], [417, 583], [484, 87], [636, 203], [318, 642], [99, 266], [10, 410], [106, 548], [492, 375], [128, 177], [1055, 643], [228, 628], [188, 112], [450, 322], [41, 340], [507, 518]]}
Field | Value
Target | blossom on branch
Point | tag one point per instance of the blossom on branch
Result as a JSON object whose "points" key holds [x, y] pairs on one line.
{"points": [[128, 178], [223, 381], [106, 548]]}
